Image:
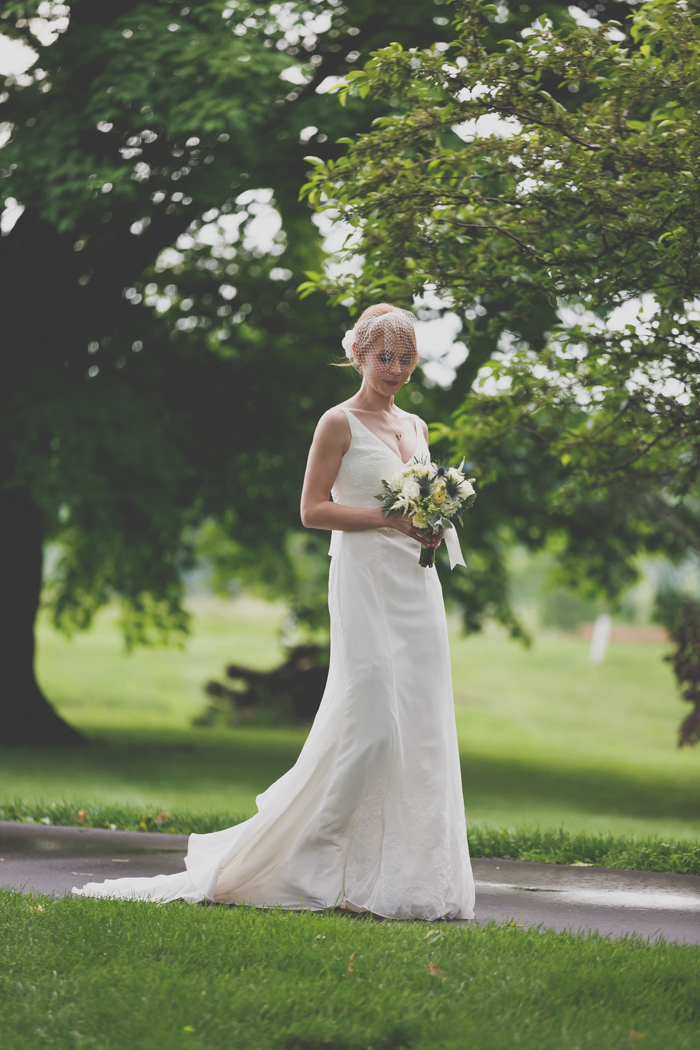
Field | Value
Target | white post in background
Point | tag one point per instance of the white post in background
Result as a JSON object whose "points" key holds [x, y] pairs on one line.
{"points": [[600, 639]]}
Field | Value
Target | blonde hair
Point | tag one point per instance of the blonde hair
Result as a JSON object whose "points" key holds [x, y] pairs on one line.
{"points": [[376, 311]]}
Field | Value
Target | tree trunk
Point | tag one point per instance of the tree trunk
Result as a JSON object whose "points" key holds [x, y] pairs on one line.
{"points": [[26, 717]]}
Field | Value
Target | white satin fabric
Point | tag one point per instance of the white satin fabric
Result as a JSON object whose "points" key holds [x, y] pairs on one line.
{"points": [[371, 816]]}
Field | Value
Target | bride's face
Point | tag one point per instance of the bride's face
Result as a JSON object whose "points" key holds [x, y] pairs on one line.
{"points": [[386, 369]]}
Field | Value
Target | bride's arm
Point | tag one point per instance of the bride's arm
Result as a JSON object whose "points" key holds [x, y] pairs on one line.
{"points": [[331, 442]]}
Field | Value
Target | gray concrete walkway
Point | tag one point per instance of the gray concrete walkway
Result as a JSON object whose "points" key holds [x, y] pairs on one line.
{"points": [[569, 897], [38, 859]]}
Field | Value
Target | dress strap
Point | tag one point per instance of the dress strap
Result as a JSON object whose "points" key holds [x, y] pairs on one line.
{"points": [[357, 429]]}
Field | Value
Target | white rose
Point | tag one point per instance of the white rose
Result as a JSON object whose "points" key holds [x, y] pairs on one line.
{"points": [[466, 489], [411, 489], [397, 482]]}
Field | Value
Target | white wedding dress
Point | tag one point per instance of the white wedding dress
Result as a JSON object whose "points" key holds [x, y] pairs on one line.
{"points": [[371, 817]]}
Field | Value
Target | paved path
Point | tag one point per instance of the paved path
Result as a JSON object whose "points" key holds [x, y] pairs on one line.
{"points": [[38, 859], [569, 897]]}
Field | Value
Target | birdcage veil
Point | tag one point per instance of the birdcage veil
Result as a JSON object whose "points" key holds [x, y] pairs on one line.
{"points": [[382, 343]]}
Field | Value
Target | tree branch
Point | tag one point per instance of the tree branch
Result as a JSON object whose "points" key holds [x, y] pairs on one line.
{"points": [[500, 229]]}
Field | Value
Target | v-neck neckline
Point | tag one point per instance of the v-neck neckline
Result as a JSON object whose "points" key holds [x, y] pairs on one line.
{"points": [[377, 438]]}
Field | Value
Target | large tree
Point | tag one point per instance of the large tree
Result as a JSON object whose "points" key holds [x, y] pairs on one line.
{"points": [[157, 370], [141, 397], [569, 241]]}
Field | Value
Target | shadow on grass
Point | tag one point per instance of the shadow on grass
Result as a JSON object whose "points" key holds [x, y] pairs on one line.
{"points": [[593, 789], [254, 758], [161, 760]]}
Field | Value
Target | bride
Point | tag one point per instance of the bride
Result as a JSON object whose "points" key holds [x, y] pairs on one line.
{"points": [[371, 817]]}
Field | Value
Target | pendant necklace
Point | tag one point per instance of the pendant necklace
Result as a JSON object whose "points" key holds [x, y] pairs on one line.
{"points": [[397, 433]]}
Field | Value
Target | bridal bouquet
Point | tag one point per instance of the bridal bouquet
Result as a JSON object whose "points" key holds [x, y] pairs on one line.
{"points": [[432, 495]]}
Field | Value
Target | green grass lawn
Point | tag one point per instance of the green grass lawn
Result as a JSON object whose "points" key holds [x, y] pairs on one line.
{"points": [[114, 974], [546, 740]]}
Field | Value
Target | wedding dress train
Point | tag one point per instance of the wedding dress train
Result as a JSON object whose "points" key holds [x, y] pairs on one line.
{"points": [[371, 816]]}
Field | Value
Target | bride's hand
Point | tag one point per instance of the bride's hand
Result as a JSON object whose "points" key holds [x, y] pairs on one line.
{"points": [[405, 525]]}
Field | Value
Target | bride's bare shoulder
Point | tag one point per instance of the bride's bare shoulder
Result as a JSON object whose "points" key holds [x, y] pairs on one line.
{"points": [[334, 426], [334, 417]]}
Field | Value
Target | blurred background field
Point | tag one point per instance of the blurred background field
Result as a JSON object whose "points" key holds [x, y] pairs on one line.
{"points": [[546, 739]]}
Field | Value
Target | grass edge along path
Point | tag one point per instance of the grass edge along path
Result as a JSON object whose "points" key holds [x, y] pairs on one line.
{"points": [[551, 847], [114, 974]]}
